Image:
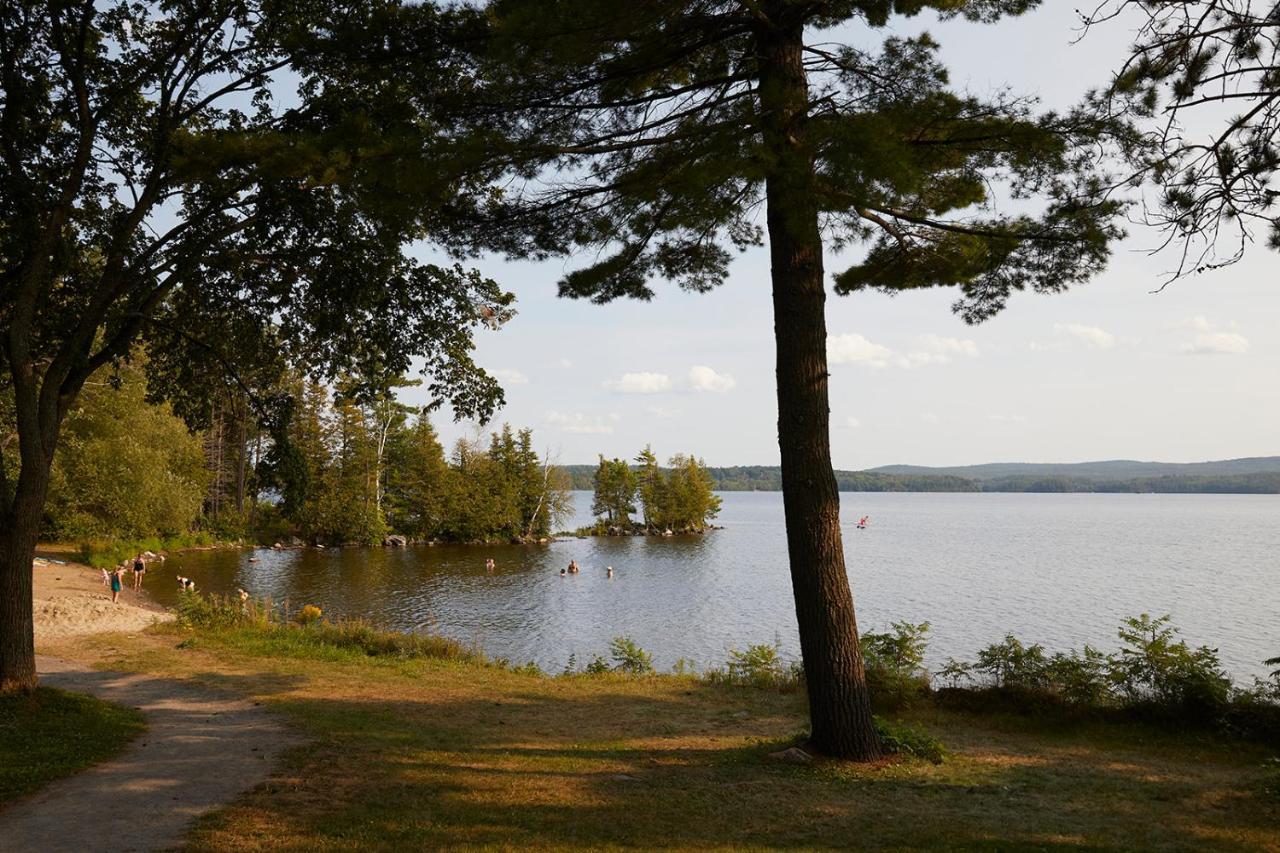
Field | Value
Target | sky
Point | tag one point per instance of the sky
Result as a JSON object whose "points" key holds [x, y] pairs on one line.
{"points": [[1109, 370]]}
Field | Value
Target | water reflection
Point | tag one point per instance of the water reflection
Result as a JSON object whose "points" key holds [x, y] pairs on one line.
{"points": [[1057, 569]]}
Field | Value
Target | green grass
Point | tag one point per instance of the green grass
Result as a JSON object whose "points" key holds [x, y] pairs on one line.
{"points": [[51, 733], [105, 553], [432, 752]]}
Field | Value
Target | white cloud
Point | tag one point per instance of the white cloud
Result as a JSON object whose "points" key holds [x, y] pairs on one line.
{"points": [[855, 349], [565, 363], [511, 377], [640, 383], [1211, 339], [1091, 336], [1217, 343], [947, 346], [1007, 419], [703, 378], [579, 423], [851, 422], [930, 418], [660, 412], [933, 349], [928, 349]]}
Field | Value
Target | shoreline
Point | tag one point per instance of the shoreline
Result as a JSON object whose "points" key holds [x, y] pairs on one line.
{"points": [[70, 601]]}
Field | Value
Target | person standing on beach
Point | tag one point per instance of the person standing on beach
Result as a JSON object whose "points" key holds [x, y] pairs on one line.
{"points": [[116, 583], [139, 569]]}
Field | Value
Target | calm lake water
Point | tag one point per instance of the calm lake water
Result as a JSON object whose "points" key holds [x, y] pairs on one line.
{"points": [[1061, 570]]}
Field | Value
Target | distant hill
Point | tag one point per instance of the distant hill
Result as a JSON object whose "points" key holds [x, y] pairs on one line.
{"points": [[1257, 475], [1118, 469]]}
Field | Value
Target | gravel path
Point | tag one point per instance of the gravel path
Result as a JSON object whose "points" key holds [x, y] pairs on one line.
{"points": [[199, 751]]}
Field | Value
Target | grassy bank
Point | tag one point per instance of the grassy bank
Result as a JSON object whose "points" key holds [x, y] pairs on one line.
{"points": [[51, 733], [418, 749]]}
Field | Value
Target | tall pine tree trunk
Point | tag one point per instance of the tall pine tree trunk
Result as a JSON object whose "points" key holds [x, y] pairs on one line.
{"points": [[839, 704]]}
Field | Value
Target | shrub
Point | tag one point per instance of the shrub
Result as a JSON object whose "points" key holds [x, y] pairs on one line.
{"points": [[684, 666], [104, 553], [759, 666], [309, 614], [1011, 664], [1153, 669], [895, 663], [956, 671], [905, 740], [628, 657], [216, 613], [1080, 677], [597, 666]]}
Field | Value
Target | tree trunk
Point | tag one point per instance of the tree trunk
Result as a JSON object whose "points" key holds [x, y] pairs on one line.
{"points": [[19, 531], [839, 703]]}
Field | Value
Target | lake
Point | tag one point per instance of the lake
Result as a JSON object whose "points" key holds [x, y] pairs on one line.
{"points": [[1061, 570]]}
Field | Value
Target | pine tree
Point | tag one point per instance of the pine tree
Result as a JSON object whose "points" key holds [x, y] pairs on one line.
{"points": [[648, 135], [615, 492]]}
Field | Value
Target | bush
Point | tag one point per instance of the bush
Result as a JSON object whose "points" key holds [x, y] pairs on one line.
{"points": [[1152, 669], [759, 666], [629, 658], [905, 740], [309, 614], [1152, 673], [1080, 678], [105, 553], [1011, 664], [895, 664], [219, 613]]}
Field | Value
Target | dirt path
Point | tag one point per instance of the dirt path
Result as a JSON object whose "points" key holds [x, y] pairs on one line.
{"points": [[200, 750]]}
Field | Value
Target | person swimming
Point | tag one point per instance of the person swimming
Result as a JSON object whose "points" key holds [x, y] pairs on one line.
{"points": [[573, 567], [608, 571], [564, 572]]}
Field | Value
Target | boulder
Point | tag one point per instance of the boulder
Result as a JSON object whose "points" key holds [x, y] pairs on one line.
{"points": [[395, 541], [792, 755]]}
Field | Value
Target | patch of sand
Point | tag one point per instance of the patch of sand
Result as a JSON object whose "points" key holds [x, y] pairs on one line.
{"points": [[71, 600]]}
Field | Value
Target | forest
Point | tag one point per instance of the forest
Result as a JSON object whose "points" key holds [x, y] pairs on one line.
{"points": [[344, 467], [679, 498]]}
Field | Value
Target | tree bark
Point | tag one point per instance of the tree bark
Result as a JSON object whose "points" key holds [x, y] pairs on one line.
{"points": [[839, 702], [19, 530]]}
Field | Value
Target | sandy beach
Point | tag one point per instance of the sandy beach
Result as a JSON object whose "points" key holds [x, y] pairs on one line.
{"points": [[71, 600]]}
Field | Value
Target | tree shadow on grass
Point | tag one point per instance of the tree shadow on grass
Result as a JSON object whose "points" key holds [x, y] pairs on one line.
{"points": [[524, 763]]}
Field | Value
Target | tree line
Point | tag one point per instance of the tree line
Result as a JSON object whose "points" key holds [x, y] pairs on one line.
{"points": [[346, 467], [765, 478], [679, 498]]}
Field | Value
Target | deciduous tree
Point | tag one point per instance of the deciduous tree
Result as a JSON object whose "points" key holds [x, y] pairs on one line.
{"points": [[158, 179]]}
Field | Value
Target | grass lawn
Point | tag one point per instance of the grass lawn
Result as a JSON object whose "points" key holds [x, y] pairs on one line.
{"points": [[425, 754], [51, 733]]}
